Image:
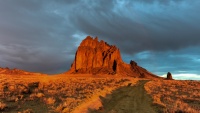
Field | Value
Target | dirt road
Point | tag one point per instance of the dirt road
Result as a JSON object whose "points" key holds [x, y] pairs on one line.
{"points": [[129, 99]]}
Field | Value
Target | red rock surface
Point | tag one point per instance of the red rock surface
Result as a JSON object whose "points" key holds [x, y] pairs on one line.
{"points": [[98, 57]]}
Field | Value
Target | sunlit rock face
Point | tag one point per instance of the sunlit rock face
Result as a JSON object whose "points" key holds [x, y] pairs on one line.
{"points": [[95, 56], [98, 57]]}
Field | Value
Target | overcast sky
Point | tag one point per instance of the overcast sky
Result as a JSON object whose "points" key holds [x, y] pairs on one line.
{"points": [[43, 35]]}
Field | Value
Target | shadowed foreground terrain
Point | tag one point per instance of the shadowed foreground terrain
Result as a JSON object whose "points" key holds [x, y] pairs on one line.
{"points": [[128, 99]]}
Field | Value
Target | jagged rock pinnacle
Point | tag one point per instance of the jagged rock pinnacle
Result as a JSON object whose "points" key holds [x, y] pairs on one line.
{"points": [[98, 57]]}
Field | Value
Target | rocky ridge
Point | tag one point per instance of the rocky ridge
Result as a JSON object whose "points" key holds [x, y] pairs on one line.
{"points": [[15, 71]]}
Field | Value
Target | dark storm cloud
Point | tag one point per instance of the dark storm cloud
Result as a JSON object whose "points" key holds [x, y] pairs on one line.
{"points": [[34, 59], [43, 35], [33, 37], [165, 28]]}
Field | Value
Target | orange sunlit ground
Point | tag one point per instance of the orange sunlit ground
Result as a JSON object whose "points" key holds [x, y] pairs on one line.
{"points": [[175, 95], [79, 93]]}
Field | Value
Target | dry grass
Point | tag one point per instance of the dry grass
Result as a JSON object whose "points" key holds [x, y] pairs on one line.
{"points": [[175, 96], [53, 94], [67, 94]]}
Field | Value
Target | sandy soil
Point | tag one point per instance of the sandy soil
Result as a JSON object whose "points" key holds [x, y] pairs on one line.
{"points": [[128, 99]]}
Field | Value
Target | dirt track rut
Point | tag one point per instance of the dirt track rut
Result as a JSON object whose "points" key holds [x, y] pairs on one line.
{"points": [[129, 99]]}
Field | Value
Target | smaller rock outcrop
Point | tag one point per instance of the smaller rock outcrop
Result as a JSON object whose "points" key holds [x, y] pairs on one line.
{"points": [[133, 63], [169, 76]]}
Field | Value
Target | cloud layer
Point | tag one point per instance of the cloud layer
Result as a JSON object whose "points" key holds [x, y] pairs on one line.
{"points": [[161, 35]]}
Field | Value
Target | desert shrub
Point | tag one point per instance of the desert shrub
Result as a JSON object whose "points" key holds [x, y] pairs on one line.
{"points": [[49, 100], [180, 107], [27, 111], [2, 106]]}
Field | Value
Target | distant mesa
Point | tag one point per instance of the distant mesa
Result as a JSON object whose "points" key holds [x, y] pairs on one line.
{"points": [[98, 57]]}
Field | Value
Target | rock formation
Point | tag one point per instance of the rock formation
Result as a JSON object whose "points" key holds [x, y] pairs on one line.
{"points": [[98, 57], [169, 76]]}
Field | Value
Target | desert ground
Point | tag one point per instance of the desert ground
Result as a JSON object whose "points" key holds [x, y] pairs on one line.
{"points": [[96, 94]]}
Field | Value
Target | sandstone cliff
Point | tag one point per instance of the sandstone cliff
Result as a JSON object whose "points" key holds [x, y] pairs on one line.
{"points": [[98, 57]]}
